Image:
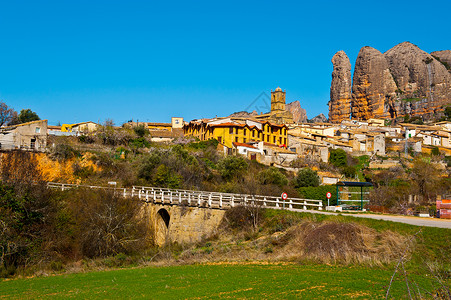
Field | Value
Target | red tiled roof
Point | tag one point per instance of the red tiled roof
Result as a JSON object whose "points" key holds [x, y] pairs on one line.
{"points": [[227, 125], [244, 145]]}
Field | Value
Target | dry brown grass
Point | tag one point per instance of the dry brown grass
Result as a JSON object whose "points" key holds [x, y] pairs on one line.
{"points": [[332, 242], [327, 242]]}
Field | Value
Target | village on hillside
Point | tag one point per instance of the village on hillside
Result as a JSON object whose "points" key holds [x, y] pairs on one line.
{"points": [[272, 139]]}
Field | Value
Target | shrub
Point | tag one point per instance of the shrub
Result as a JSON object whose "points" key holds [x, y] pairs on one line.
{"points": [[244, 217], [272, 175], [63, 152], [87, 139], [435, 151], [25, 211], [107, 223], [319, 193], [139, 142], [204, 144], [164, 177], [232, 167], [83, 172], [306, 177], [337, 157], [349, 171], [448, 112], [141, 130], [148, 165]]}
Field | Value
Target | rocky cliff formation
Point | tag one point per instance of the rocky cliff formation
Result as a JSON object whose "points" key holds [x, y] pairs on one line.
{"points": [[243, 114], [340, 89], [444, 57], [299, 114], [372, 86], [318, 119], [405, 80]]}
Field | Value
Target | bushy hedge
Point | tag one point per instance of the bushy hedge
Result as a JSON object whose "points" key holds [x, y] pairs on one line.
{"points": [[306, 177], [272, 175], [319, 193]]}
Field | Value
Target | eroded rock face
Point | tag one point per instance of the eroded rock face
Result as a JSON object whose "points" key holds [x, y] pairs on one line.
{"points": [[299, 114], [405, 80], [424, 84], [373, 87], [340, 88], [243, 114], [444, 57]]}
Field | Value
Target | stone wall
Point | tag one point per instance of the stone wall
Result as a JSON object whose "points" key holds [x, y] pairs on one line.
{"points": [[184, 225]]}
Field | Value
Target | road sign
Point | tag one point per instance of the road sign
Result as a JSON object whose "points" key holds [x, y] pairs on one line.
{"points": [[328, 195], [284, 196]]}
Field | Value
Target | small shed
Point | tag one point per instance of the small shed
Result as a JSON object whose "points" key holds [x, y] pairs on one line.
{"points": [[353, 194]]}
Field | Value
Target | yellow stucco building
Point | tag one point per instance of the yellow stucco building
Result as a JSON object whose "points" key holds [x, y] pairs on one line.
{"points": [[246, 131], [80, 127]]}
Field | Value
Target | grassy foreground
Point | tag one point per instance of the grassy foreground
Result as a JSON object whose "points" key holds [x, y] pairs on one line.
{"points": [[217, 281]]}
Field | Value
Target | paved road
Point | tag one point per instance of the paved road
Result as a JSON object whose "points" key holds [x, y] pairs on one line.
{"points": [[430, 222]]}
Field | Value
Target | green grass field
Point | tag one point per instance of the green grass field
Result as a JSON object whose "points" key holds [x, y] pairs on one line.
{"points": [[258, 281]]}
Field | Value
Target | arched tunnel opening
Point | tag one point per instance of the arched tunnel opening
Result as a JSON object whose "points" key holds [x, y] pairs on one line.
{"points": [[165, 216]]}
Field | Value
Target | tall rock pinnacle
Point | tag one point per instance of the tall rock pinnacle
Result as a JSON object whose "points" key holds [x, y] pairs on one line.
{"points": [[403, 82], [340, 88], [373, 87]]}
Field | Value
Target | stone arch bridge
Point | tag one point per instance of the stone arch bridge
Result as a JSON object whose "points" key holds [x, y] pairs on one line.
{"points": [[188, 216]]}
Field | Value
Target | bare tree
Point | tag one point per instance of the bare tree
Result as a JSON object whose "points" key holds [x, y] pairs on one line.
{"points": [[7, 114], [108, 123]]}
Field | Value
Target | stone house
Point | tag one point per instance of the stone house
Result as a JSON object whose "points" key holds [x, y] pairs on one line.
{"points": [[245, 149], [26, 136], [78, 128], [309, 147], [276, 155]]}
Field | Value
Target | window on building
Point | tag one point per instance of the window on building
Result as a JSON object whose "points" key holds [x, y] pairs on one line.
{"points": [[244, 140], [253, 133], [220, 139], [244, 131], [267, 138], [231, 130], [285, 141], [38, 130], [236, 130], [280, 141], [274, 139], [236, 140], [176, 121]]}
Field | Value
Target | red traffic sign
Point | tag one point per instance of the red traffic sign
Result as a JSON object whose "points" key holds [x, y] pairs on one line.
{"points": [[328, 195], [284, 196]]}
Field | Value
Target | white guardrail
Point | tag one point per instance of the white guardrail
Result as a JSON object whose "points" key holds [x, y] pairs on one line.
{"points": [[202, 198]]}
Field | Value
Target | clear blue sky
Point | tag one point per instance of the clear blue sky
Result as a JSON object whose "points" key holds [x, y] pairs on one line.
{"points": [[73, 61]]}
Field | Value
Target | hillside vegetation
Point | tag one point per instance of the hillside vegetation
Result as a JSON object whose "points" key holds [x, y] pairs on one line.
{"points": [[45, 231]]}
